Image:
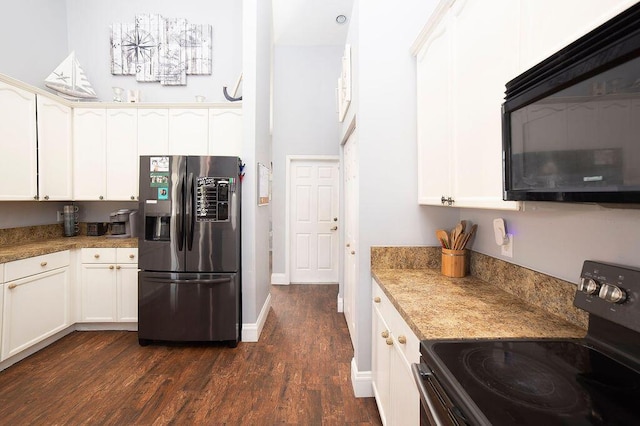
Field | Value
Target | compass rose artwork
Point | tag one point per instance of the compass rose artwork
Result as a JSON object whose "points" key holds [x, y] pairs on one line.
{"points": [[161, 49]]}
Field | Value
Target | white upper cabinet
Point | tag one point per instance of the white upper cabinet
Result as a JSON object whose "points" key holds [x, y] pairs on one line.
{"points": [[153, 131], [122, 154], [462, 67], [188, 131], [18, 156], [89, 154], [55, 152], [225, 132]]}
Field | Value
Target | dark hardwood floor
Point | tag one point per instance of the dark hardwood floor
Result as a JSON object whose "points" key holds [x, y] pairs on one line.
{"points": [[298, 373]]}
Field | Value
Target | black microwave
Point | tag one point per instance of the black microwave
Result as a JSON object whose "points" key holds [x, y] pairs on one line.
{"points": [[571, 124]]}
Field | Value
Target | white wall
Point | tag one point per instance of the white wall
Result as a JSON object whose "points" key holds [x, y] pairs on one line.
{"points": [[256, 148], [304, 119], [385, 111], [89, 35], [33, 39]]}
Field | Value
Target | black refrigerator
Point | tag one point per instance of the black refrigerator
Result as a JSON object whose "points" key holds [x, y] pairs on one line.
{"points": [[189, 284]]}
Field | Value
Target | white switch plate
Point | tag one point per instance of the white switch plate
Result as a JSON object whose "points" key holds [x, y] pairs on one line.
{"points": [[60, 217], [507, 249]]}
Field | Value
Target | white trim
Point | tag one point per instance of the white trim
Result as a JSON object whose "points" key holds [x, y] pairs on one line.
{"points": [[361, 381], [340, 303], [279, 279], [350, 129], [435, 18], [251, 331], [107, 326], [287, 201]]}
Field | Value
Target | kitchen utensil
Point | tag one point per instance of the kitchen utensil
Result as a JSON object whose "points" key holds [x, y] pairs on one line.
{"points": [[443, 236]]}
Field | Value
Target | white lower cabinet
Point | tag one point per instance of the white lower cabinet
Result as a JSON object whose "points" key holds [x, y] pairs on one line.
{"points": [[109, 285], [36, 301], [394, 348]]}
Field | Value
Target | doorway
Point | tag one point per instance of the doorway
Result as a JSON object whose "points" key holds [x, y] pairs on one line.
{"points": [[312, 219]]}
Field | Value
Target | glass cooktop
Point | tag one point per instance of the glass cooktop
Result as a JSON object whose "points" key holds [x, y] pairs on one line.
{"points": [[536, 382]]}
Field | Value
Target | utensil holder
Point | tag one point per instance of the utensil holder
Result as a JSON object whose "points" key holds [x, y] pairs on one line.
{"points": [[454, 263]]}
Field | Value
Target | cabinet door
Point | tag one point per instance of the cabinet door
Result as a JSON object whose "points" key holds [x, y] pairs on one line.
{"points": [[380, 359], [434, 122], [153, 132], [127, 278], [405, 404], [225, 132], [89, 154], [485, 57], [122, 154], [35, 308], [99, 293], [54, 150], [18, 158], [188, 131]]}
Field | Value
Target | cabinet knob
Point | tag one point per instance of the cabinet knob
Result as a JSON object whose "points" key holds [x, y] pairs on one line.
{"points": [[133, 198], [389, 341], [353, 252], [376, 299], [385, 334], [96, 255], [35, 197], [12, 286], [43, 264], [131, 256], [348, 244], [101, 198], [402, 339], [110, 266], [46, 197], [118, 267]]}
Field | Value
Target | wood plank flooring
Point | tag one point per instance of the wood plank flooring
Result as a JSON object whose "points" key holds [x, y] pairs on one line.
{"points": [[298, 373]]}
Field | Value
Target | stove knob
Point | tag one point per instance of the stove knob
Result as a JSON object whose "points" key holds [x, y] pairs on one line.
{"points": [[612, 294], [588, 285]]}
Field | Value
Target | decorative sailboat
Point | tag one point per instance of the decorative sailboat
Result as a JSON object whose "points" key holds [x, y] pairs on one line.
{"points": [[69, 80]]}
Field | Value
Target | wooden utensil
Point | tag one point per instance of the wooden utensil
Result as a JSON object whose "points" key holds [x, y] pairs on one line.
{"points": [[443, 236]]}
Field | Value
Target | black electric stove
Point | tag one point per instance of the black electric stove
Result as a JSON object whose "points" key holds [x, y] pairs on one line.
{"points": [[590, 381]]}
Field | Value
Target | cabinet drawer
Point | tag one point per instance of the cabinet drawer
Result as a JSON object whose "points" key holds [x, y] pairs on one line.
{"points": [[127, 255], [98, 255], [35, 265]]}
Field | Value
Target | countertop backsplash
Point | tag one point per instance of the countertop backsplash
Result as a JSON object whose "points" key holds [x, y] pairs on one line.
{"points": [[537, 289]]}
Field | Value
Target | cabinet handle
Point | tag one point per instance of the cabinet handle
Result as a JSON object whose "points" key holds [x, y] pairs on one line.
{"points": [[447, 200], [118, 267], [389, 341], [101, 198], [402, 340], [43, 264], [96, 255], [376, 299], [46, 197], [385, 334], [110, 266], [12, 286], [35, 197], [131, 256]]}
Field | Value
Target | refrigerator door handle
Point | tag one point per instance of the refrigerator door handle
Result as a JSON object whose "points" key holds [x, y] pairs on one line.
{"points": [[187, 281], [190, 217], [180, 214]]}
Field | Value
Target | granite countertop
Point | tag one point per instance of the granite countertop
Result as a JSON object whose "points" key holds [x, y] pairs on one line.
{"points": [[438, 307], [13, 252]]}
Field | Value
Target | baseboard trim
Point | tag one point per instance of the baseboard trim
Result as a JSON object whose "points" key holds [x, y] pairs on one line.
{"points": [[107, 326], [251, 331], [340, 304], [361, 381], [279, 279]]}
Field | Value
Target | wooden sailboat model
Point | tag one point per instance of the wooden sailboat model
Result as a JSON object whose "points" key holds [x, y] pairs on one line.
{"points": [[69, 80]]}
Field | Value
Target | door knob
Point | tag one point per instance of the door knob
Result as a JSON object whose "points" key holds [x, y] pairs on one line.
{"points": [[353, 252], [334, 228]]}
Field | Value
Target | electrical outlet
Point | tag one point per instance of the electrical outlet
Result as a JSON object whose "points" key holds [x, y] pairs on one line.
{"points": [[507, 249], [60, 217]]}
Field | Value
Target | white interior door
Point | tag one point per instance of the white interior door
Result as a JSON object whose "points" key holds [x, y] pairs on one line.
{"points": [[314, 221], [350, 231]]}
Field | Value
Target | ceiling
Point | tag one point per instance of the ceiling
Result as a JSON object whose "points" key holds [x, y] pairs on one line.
{"points": [[310, 22]]}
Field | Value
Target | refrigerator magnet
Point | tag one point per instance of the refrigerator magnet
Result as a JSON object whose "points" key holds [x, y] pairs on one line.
{"points": [[163, 193]]}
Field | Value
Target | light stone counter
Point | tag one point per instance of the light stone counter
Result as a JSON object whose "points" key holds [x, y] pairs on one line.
{"points": [[14, 251], [498, 300]]}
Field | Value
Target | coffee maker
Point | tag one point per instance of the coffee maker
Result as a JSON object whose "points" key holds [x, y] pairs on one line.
{"points": [[123, 223]]}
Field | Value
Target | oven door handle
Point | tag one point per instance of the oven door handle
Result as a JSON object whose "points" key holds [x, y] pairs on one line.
{"points": [[420, 374]]}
